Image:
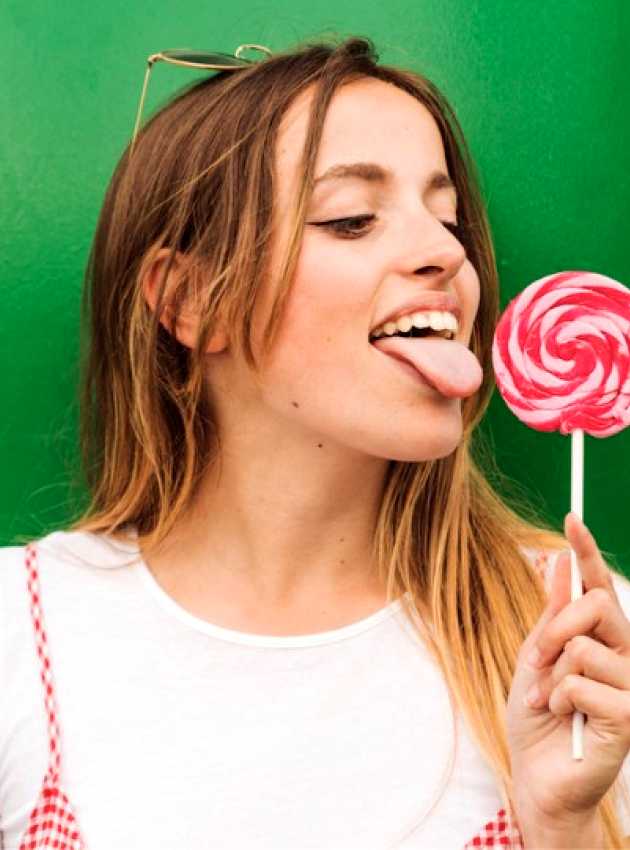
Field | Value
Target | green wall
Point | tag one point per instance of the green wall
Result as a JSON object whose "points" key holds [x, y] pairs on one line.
{"points": [[542, 91]]}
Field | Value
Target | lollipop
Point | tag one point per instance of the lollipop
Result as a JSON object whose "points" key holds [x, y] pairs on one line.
{"points": [[561, 357]]}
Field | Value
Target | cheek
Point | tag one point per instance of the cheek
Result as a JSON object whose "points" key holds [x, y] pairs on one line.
{"points": [[324, 332], [469, 292], [332, 291]]}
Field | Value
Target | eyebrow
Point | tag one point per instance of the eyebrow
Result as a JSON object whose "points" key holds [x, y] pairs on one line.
{"points": [[374, 173]]}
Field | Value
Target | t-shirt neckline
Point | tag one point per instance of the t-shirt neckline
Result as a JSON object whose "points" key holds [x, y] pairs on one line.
{"points": [[174, 609]]}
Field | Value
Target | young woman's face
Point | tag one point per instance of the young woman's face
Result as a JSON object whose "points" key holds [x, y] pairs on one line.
{"points": [[323, 375]]}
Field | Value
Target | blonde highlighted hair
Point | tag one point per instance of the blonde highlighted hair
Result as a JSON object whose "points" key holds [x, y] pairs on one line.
{"points": [[201, 182]]}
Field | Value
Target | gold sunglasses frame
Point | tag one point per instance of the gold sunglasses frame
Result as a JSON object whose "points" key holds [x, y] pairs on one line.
{"points": [[173, 60]]}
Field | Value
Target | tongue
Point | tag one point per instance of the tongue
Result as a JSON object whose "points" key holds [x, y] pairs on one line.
{"points": [[450, 366]]}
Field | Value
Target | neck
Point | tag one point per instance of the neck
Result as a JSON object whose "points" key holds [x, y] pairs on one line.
{"points": [[262, 533]]}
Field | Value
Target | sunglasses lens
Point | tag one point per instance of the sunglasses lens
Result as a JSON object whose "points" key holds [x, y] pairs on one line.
{"points": [[199, 58]]}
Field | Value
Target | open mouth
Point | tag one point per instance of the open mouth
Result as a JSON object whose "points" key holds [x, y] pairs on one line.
{"points": [[416, 332]]}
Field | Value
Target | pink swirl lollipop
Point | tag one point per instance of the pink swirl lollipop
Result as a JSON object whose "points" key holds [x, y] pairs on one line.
{"points": [[561, 354]]}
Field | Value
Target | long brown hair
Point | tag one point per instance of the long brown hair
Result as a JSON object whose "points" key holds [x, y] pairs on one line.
{"points": [[201, 182]]}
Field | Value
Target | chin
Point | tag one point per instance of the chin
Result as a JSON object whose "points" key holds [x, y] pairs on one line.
{"points": [[422, 458], [418, 454]]}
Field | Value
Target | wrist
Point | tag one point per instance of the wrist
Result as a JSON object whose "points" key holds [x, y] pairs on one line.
{"points": [[579, 832]]}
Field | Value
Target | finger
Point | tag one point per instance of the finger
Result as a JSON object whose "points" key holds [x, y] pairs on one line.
{"points": [[525, 675], [560, 590], [598, 613], [577, 693], [592, 566], [559, 595], [585, 657]]}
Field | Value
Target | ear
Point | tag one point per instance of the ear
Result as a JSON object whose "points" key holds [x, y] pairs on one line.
{"points": [[187, 321]]}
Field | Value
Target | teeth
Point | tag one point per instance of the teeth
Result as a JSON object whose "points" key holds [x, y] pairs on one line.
{"points": [[404, 324], [422, 320], [438, 320]]}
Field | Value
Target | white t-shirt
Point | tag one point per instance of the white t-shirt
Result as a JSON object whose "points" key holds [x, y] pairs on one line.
{"points": [[180, 735]]}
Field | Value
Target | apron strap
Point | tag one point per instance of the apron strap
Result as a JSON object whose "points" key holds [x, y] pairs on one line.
{"points": [[45, 668]]}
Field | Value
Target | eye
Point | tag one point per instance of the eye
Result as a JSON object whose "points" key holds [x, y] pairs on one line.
{"points": [[351, 226]]}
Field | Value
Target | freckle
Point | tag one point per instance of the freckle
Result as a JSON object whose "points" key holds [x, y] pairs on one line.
{"points": [[319, 445], [341, 539], [295, 404], [328, 338], [342, 562]]}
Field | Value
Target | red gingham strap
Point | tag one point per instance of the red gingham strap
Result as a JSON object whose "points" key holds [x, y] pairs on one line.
{"points": [[52, 824], [45, 670]]}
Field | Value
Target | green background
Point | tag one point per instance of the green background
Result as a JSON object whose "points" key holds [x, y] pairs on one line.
{"points": [[542, 91]]}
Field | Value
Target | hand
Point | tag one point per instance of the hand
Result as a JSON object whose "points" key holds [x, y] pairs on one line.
{"points": [[584, 666]]}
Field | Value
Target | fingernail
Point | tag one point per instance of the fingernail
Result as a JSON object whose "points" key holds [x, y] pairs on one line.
{"points": [[532, 697], [578, 520]]}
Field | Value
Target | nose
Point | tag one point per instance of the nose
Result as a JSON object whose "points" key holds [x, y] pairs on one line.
{"points": [[435, 251]]}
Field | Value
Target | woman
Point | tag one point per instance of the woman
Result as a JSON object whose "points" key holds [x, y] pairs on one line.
{"points": [[295, 613]]}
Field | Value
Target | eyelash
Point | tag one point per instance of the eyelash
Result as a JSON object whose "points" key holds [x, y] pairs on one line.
{"points": [[341, 226]]}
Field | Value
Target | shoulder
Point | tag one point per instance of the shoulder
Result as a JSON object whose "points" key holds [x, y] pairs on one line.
{"points": [[12, 581], [67, 549], [13, 577], [84, 581], [87, 550], [75, 548], [68, 563]]}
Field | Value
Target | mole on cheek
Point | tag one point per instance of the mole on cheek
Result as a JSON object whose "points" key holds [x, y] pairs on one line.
{"points": [[295, 404]]}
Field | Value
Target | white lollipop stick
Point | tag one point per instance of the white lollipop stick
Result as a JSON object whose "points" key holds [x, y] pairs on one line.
{"points": [[577, 491]]}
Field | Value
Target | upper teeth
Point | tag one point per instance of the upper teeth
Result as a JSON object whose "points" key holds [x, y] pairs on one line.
{"points": [[438, 320]]}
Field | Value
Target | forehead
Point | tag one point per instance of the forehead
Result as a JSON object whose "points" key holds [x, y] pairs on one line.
{"points": [[368, 120]]}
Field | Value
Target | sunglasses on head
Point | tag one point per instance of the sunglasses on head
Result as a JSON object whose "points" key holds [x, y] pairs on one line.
{"points": [[196, 59]]}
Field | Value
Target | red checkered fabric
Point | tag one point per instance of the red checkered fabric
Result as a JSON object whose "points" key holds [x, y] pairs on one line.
{"points": [[500, 832], [541, 563], [52, 823]]}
